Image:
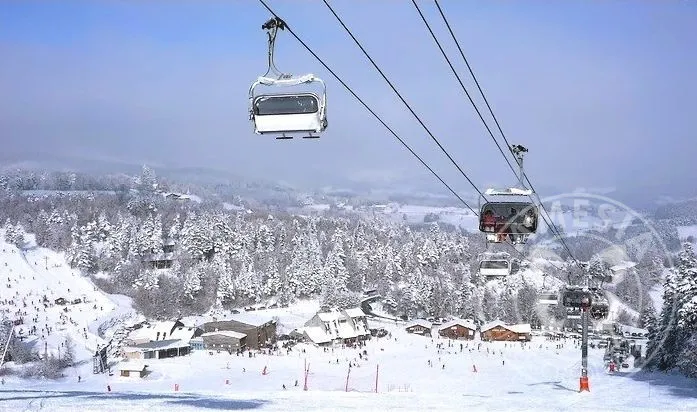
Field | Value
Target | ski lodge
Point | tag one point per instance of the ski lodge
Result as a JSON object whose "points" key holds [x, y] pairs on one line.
{"points": [[259, 331], [419, 327], [457, 329], [336, 326], [499, 331], [160, 340]]}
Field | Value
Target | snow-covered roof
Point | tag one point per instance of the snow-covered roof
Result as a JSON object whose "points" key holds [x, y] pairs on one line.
{"points": [[518, 328], [132, 366], [420, 322], [160, 345], [183, 333], [251, 318], [150, 332], [228, 333], [492, 325], [316, 334], [355, 313], [466, 323], [330, 316]]}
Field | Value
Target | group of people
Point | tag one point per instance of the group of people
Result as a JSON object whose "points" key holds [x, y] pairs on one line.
{"points": [[508, 227]]}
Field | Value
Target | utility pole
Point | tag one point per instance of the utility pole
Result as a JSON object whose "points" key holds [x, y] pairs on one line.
{"points": [[584, 338]]}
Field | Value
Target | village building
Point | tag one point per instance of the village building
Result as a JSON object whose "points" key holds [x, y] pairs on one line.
{"points": [[227, 340], [159, 349], [336, 326], [499, 331], [259, 331], [457, 329], [131, 369], [159, 340], [163, 259], [419, 327]]}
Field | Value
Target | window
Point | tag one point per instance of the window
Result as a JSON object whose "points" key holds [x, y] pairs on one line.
{"points": [[494, 264], [285, 104]]}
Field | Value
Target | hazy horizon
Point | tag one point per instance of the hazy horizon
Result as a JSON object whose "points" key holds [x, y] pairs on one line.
{"points": [[601, 94]]}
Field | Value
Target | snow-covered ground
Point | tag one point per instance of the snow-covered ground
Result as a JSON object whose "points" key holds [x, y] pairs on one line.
{"points": [[686, 231], [32, 273], [508, 376]]}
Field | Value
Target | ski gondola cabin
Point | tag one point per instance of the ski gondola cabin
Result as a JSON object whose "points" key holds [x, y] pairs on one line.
{"points": [[508, 217], [492, 268], [287, 112], [577, 298]]}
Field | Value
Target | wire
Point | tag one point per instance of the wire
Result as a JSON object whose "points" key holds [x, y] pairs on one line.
{"points": [[462, 85], [550, 224], [347, 87], [360, 46]]}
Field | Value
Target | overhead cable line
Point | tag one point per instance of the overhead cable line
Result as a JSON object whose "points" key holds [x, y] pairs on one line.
{"points": [[365, 105], [360, 46], [550, 224]]}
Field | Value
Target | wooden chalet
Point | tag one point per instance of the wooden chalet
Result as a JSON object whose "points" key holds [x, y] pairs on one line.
{"points": [[499, 331], [457, 329], [419, 327], [259, 331]]}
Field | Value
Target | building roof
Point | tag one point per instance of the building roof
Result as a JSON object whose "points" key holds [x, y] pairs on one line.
{"points": [[519, 328], [330, 316], [419, 322], [150, 332], [132, 366], [160, 345], [465, 323], [492, 325], [316, 334], [355, 313], [184, 333], [252, 319], [228, 333]]}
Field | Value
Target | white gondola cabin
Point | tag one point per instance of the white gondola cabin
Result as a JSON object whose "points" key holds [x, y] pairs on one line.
{"points": [[548, 298], [284, 113], [284, 108], [493, 265]]}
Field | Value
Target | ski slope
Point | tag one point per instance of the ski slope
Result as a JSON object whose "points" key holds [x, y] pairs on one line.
{"points": [[32, 273], [536, 376]]}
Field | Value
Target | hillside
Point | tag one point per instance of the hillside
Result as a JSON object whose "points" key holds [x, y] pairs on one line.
{"points": [[35, 278]]}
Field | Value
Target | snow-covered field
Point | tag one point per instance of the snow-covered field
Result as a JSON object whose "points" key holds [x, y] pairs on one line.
{"points": [[508, 376]]}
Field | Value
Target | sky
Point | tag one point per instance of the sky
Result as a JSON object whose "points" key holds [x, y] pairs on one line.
{"points": [[602, 93]]}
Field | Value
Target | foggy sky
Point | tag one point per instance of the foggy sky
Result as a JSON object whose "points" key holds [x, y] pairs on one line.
{"points": [[602, 93]]}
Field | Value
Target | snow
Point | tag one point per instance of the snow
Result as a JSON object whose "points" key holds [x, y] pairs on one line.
{"points": [[466, 323], [228, 333], [420, 322], [686, 231], [534, 377], [34, 272]]}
